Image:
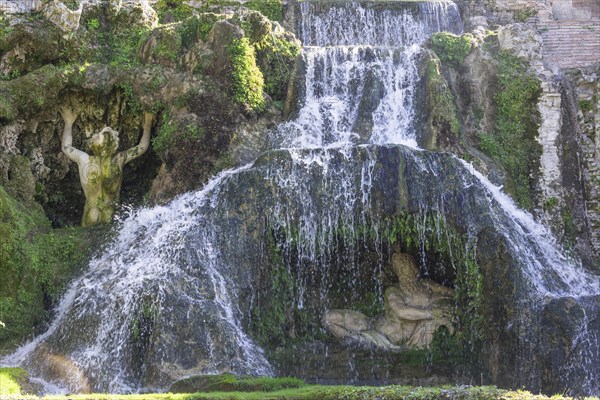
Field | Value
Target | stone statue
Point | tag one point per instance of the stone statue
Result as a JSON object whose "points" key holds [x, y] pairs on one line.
{"points": [[413, 311], [416, 307], [101, 174]]}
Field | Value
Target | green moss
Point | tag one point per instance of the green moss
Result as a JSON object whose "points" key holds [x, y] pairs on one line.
{"points": [[524, 13], [270, 314], [34, 92], [72, 4], [272, 9], [443, 113], [11, 380], [513, 143], [551, 203], [121, 47], [311, 392], [172, 10], [36, 264], [371, 304], [93, 24], [197, 28], [586, 105], [278, 321], [174, 133], [131, 99], [248, 82], [206, 23], [164, 139], [569, 227], [276, 58], [451, 48], [267, 384], [469, 298], [169, 43], [232, 383]]}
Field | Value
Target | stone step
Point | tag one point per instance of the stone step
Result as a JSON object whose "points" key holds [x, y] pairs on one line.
{"points": [[571, 43]]}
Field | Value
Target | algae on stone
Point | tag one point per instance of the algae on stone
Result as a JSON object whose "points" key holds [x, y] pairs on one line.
{"points": [[36, 263]]}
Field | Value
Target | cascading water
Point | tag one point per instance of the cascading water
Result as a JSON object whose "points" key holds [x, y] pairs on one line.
{"points": [[178, 288]]}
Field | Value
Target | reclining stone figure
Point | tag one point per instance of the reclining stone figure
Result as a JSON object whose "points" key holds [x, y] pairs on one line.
{"points": [[101, 174]]}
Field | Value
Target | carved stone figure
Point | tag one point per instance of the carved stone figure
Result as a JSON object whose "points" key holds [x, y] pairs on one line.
{"points": [[413, 311], [101, 174]]}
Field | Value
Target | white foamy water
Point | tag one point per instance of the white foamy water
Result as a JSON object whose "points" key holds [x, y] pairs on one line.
{"points": [[546, 265]]}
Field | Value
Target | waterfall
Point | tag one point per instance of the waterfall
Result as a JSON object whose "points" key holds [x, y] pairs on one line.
{"points": [[361, 72], [174, 293]]}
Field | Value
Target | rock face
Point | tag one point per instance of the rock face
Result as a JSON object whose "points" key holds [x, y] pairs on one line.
{"points": [[568, 327]]}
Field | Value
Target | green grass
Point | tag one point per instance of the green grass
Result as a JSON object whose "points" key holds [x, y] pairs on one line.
{"points": [[10, 379], [333, 393]]}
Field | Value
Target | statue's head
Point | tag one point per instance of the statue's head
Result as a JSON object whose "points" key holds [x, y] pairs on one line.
{"points": [[105, 142]]}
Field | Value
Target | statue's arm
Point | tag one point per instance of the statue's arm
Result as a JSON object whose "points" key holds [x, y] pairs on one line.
{"points": [[142, 147], [74, 154]]}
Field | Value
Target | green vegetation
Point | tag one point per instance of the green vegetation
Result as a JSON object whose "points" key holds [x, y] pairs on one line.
{"points": [[570, 231], [198, 27], [524, 13], [451, 48], [11, 380], [469, 313], [269, 314], [312, 392], [550, 203], [33, 92], [174, 133], [131, 99], [272, 9], [248, 81], [172, 10], [587, 105], [443, 114], [177, 10], [278, 323], [120, 47], [93, 24], [513, 143], [276, 58], [168, 44], [232, 383], [36, 264], [72, 4]]}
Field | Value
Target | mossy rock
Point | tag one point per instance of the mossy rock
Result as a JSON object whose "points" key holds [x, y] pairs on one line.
{"points": [[232, 383], [513, 143], [34, 93], [452, 48], [36, 265], [443, 123], [28, 45]]}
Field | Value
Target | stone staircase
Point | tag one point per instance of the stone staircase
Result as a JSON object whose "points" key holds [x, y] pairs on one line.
{"points": [[570, 44]]}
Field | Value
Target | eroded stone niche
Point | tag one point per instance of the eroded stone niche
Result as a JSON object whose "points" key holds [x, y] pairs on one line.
{"points": [[414, 309]]}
